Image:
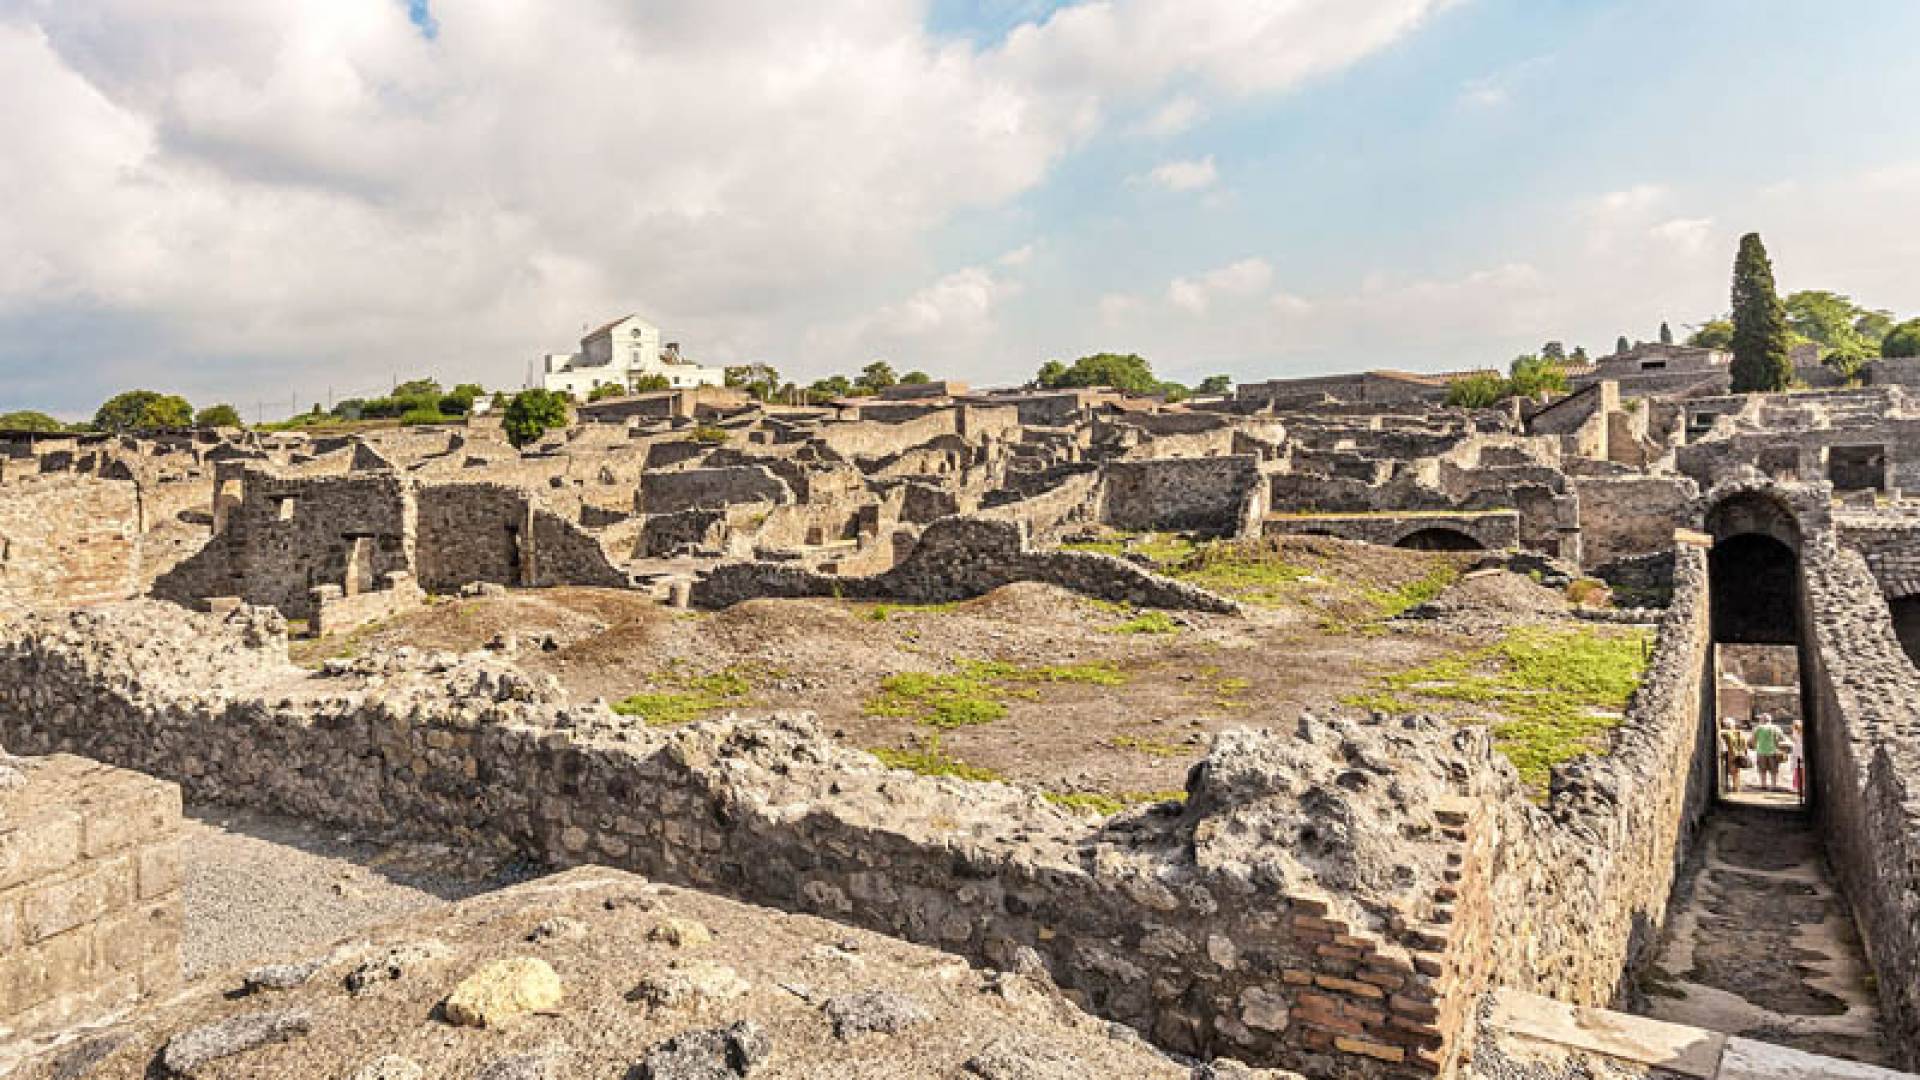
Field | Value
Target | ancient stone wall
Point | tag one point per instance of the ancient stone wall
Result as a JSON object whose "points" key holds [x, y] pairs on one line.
{"points": [[1864, 756], [708, 488], [1625, 516], [69, 540], [1493, 530], [1204, 494], [957, 559], [1293, 911], [90, 910], [336, 611]]}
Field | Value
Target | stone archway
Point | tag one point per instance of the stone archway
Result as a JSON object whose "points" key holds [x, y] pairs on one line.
{"points": [[1439, 538]]}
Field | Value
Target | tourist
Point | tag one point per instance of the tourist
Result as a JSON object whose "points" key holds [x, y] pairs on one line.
{"points": [[1733, 754], [1797, 760], [1766, 748]]}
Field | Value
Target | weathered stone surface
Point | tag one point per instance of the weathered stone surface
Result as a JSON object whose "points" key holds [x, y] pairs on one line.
{"points": [[690, 984], [708, 1054], [390, 1067], [281, 976], [880, 1011], [191, 1051], [681, 933], [393, 963], [503, 991]]}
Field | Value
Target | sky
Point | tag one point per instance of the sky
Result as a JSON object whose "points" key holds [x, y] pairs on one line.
{"points": [[277, 203]]}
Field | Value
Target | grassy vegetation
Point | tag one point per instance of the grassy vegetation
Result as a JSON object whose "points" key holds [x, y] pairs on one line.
{"points": [[1107, 805], [1247, 572], [1150, 747], [1147, 622], [979, 692], [1396, 601], [690, 697], [1162, 549], [1553, 693], [710, 435], [929, 760]]}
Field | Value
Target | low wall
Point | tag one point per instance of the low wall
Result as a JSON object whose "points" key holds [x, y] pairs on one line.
{"points": [[1493, 530], [957, 559], [1865, 761], [90, 911], [334, 612], [1294, 911]]}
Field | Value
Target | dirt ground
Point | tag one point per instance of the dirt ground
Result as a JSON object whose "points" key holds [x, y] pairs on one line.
{"points": [[1096, 699]]}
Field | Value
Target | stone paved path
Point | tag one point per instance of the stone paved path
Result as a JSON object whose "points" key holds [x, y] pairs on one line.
{"points": [[1761, 944]]}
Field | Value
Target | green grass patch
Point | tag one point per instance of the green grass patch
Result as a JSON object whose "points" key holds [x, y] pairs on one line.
{"points": [[929, 760], [1150, 747], [683, 698], [1553, 693], [710, 435], [1247, 573], [1161, 549], [1392, 602], [979, 692], [1147, 622]]}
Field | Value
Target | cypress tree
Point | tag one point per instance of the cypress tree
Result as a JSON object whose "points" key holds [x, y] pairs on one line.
{"points": [[1760, 361], [1620, 345], [1666, 334]]}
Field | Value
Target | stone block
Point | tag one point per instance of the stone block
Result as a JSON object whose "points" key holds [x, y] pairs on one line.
{"points": [[132, 941], [75, 901], [158, 869], [39, 846]]}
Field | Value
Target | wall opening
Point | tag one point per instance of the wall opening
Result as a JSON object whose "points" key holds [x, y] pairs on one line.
{"points": [[1906, 625], [1763, 712], [1857, 468], [1439, 539]]}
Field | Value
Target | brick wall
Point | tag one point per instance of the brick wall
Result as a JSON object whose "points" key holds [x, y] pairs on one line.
{"points": [[69, 540], [90, 909]]}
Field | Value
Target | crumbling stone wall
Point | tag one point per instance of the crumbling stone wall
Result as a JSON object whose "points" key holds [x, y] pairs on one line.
{"points": [[1493, 530], [1221, 495], [1626, 516], [69, 540], [1293, 911], [957, 559], [709, 488], [1864, 757], [90, 910]]}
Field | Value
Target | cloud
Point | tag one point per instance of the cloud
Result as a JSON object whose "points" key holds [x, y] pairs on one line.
{"points": [[330, 186], [1171, 118], [1688, 234], [1195, 175], [1487, 92], [1239, 279]]}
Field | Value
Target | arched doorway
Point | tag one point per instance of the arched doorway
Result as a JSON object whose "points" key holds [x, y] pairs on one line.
{"points": [[1439, 538], [1759, 669]]}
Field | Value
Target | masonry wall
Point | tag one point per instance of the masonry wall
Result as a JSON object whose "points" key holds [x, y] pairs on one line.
{"points": [[1209, 927], [957, 559], [1865, 763], [69, 540], [90, 910], [1625, 516], [1210, 494]]}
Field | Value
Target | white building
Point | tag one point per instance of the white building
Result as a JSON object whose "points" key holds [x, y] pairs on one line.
{"points": [[620, 354]]}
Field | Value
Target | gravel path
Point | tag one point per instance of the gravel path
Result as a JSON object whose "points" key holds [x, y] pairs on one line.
{"points": [[260, 886]]}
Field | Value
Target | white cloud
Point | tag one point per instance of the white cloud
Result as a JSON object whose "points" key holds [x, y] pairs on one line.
{"points": [[1171, 117], [318, 183], [1688, 234], [1195, 175], [1019, 256], [1239, 279], [1487, 92]]}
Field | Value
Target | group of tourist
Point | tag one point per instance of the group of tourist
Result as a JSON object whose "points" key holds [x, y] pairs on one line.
{"points": [[1765, 748]]}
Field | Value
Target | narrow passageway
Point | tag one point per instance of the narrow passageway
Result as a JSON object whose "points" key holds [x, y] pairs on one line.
{"points": [[1760, 943]]}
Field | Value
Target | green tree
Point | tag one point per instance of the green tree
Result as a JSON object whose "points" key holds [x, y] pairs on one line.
{"points": [[1713, 334], [1873, 326], [29, 420], [143, 410], [1902, 340], [1849, 360], [876, 376], [1531, 375], [1122, 371], [1553, 351], [1172, 391], [1621, 344], [758, 379], [1480, 390], [649, 384], [1666, 333], [915, 378], [1760, 361], [1215, 384], [829, 388], [1579, 355], [531, 414], [221, 415], [418, 388]]}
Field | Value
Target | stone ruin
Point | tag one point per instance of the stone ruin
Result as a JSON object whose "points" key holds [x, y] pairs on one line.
{"points": [[1357, 893]]}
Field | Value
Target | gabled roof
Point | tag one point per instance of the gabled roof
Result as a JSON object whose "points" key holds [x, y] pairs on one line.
{"points": [[611, 325]]}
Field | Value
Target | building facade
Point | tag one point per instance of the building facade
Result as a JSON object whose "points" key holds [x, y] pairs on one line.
{"points": [[621, 353]]}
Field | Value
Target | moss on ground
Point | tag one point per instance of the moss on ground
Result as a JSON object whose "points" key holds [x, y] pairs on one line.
{"points": [[1108, 804], [1147, 622], [883, 612], [979, 692], [683, 698], [929, 760], [1553, 693]]}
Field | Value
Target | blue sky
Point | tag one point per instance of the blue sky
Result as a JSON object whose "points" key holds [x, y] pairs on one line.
{"points": [[264, 201]]}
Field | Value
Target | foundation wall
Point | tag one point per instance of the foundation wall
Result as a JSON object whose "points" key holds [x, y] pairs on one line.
{"points": [[90, 911]]}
